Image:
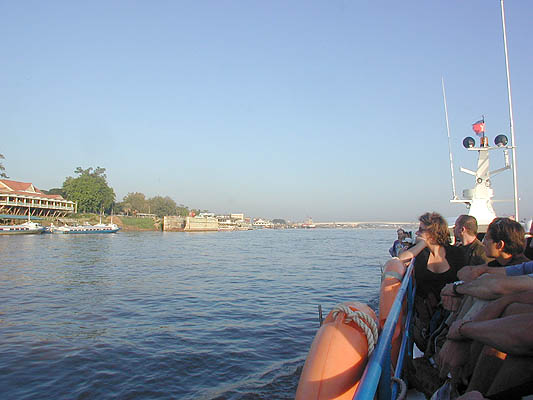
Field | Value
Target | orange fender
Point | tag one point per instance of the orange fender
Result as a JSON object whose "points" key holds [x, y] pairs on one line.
{"points": [[337, 358], [390, 285]]}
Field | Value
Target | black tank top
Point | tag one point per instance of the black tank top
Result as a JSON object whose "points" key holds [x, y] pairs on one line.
{"points": [[431, 282]]}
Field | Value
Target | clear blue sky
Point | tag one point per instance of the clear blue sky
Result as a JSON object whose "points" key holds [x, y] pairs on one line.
{"points": [[278, 109]]}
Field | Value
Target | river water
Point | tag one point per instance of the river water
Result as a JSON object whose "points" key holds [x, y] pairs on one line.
{"points": [[223, 315]]}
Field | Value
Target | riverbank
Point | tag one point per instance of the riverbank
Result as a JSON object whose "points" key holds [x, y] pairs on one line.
{"points": [[136, 224]]}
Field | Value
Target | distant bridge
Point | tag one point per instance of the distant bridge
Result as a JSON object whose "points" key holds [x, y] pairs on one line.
{"points": [[358, 223]]}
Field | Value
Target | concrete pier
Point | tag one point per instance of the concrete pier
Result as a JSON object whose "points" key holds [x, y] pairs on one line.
{"points": [[201, 224], [190, 224]]}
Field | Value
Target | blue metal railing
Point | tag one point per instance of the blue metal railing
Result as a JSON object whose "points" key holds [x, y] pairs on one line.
{"points": [[377, 374], [24, 217]]}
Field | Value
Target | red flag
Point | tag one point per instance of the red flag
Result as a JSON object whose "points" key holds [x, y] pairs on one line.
{"points": [[479, 127]]}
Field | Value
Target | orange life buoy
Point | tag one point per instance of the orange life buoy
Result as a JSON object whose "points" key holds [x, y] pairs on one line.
{"points": [[337, 357], [393, 273]]}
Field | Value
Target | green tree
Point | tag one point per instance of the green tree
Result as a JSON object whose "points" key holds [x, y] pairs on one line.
{"points": [[2, 169], [182, 210], [162, 206], [58, 191], [90, 190], [118, 208], [134, 203]]}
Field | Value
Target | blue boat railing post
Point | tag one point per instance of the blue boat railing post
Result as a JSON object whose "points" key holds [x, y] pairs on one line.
{"points": [[411, 292], [384, 386], [378, 370], [406, 348]]}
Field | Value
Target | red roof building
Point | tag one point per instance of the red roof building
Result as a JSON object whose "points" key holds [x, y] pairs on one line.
{"points": [[16, 198]]}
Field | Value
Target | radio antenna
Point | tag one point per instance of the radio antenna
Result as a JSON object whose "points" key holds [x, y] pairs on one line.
{"points": [[511, 122], [449, 140]]}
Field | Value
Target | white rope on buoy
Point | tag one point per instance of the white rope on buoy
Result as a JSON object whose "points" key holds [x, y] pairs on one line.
{"points": [[363, 320]]}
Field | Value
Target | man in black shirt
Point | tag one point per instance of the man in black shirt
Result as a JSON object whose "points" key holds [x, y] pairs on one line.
{"points": [[465, 232]]}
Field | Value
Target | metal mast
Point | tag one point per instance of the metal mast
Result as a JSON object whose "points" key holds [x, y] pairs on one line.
{"points": [[449, 144], [511, 122]]}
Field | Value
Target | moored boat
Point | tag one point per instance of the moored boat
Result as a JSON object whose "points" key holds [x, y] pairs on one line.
{"points": [[309, 224], [85, 229], [22, 229]]}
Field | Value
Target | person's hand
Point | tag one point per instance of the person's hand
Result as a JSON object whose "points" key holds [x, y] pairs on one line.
{"points": [[450, 301], [454, 333], [452, 357], [470, 272], [447, 290]]}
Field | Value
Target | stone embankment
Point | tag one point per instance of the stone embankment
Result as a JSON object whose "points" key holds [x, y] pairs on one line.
{"points": [[190, 224]]}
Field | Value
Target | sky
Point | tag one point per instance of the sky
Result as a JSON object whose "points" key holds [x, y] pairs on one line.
{"points": [[277, 109]]}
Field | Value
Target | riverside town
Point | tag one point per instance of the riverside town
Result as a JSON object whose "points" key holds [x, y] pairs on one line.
{"points": [[72, 209]]}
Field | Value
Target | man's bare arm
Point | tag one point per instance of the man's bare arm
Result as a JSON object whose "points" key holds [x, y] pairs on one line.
{"points": [[511, 334], [491, 286], [497, 308], [411, 252], [471, 272]]}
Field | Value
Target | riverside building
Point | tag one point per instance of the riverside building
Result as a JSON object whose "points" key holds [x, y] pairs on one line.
{"points": [[19, 198]]}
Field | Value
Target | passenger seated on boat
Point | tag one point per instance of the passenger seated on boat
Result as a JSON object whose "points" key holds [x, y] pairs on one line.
{"points": [[407, 242], [465, 232], [492, 352], [435, 266], [394, 251], [480, 284], [473, 296], [504, 242]]}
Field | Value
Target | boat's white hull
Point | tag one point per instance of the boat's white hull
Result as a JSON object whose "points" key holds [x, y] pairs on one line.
{"points": [[85, 229], [71, 232], [23, 229]]}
